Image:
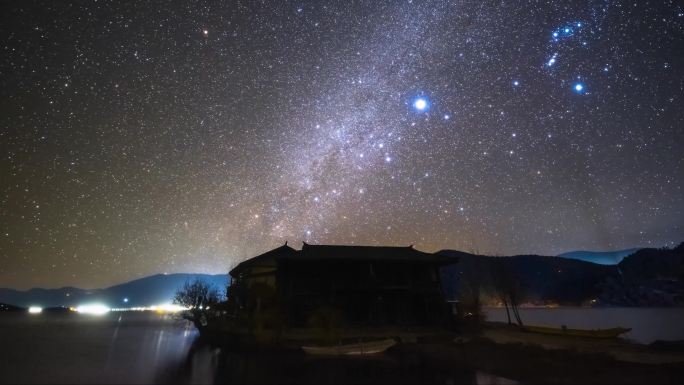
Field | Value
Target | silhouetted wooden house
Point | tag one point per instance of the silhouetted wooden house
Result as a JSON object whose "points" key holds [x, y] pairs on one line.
{"points": [[363, 286]]}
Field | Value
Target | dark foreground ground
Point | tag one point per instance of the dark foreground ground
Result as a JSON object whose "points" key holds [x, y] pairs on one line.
{"points": [[153, 348]]}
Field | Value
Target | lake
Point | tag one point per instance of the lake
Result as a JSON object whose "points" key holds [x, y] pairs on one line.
{"points": [[145, 347], [648, 324]]}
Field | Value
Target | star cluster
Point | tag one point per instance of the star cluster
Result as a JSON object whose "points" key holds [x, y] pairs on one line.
{"points": [[144, 137]]}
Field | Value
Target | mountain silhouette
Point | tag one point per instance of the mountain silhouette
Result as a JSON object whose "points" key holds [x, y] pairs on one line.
{"points": [[600, 257], [646, 277], [153, 290]]}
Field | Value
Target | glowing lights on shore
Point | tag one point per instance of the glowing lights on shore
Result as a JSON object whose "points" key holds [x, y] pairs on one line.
{"points": [[164, 308], [101, 309], [94, 309], [168, 308]]}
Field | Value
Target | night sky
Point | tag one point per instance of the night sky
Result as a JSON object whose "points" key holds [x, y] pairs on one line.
{"points": [[147, 137]]}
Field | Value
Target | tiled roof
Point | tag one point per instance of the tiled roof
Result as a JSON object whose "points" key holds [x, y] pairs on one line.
{"points": [[318, 252]]}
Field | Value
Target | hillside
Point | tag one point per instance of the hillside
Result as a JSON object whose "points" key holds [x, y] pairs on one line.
{"points": [[600, 257], [542, 279], [152, 290], [648, 277]]}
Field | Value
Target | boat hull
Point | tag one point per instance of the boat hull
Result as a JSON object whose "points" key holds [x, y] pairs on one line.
{"points": [[597, 333], [361, 348]]}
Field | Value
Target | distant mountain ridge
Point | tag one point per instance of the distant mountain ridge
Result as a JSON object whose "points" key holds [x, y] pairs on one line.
{"points": [[600, 257], [153, 290], [647, 277]]}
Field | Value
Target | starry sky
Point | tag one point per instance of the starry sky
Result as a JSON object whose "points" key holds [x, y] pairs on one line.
{"points": [[146, 137]]}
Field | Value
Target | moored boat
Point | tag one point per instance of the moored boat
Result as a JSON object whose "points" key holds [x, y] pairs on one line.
{"points": [[359, 348], [588, 333]]}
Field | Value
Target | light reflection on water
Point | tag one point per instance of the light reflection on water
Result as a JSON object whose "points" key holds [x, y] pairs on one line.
{"points": [[75, 348], [206, 364], [152, 348]]}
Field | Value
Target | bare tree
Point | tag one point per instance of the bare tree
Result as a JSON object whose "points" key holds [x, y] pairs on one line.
{"points": [[507, 288], [196, 296], [471, 285]]}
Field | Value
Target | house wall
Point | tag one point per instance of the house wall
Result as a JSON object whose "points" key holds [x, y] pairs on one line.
{"points": [[361, 293]]}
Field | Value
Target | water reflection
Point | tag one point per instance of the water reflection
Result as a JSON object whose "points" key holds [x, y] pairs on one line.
{"points": [[209, 364], [152, 348]]}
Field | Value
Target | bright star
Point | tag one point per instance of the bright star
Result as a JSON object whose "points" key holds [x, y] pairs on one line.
{"points": [[516, 83], [552, 61], [579, 88], [420, 104]]}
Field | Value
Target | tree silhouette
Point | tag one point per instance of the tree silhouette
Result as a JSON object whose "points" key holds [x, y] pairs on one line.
{"points": [[507, 288], [196, 296]]}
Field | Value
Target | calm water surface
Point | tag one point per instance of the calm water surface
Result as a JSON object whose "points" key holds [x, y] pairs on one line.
{"points": [[648, 324], [152, 348]]}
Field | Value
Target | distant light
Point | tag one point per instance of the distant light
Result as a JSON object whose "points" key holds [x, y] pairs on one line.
{"points": [[35, 310], [420, 104], [125, 300], [169, 308], [94, 309]]}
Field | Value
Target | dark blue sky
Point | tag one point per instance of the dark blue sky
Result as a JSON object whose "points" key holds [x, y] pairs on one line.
{"points": [[144, 137]]}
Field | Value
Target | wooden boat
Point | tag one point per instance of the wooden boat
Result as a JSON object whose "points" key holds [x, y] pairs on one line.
{"points": [[359, 348], [565, 331]]}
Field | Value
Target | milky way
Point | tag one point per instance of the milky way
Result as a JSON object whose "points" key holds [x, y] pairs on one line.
{"points": [[144, 137]]}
